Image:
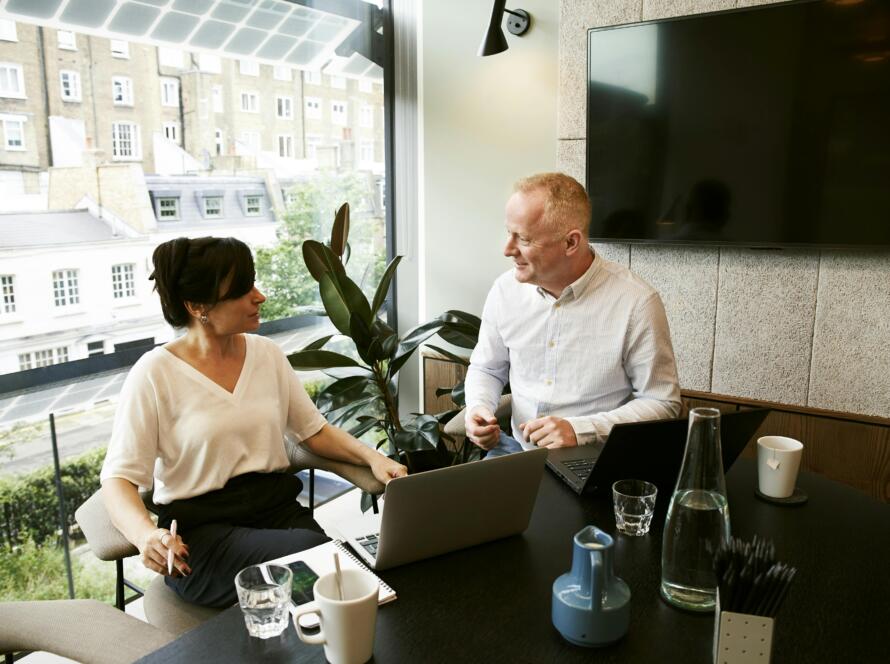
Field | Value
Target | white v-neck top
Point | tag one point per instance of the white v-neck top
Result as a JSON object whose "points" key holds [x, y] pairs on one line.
{"points": [[183, 433]]}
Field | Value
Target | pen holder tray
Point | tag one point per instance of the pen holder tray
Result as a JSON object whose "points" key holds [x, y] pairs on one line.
{"points": [[740, 638]]}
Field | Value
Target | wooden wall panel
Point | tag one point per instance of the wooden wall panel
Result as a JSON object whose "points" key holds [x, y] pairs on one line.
{"points": [[439, 372]]}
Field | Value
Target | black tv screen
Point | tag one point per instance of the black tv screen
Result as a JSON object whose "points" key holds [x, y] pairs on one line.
{"points": [[760, 127]]}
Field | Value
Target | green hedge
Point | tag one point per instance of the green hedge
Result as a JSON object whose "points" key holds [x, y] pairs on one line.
{"points": [[29, 506]]}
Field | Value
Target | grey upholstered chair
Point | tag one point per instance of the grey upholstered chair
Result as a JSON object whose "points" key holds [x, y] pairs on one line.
{"points": [[80, 629], [162, 606]]}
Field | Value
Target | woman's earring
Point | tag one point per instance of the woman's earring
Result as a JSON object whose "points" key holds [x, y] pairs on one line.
{"points": [[203, 318]]}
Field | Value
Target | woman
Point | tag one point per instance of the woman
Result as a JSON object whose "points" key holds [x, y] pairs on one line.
{"points": [[203, 420]]}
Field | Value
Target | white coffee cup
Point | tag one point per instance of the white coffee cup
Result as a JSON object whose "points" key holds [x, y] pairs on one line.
{"points": [[778, 460], [348, 624]]}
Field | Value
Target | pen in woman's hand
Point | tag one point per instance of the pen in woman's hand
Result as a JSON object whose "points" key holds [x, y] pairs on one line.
{"points": [[170, 548]]}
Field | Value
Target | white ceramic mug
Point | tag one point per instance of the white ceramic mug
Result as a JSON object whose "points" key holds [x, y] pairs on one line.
{"points": [[348, 624], [778, 460]]}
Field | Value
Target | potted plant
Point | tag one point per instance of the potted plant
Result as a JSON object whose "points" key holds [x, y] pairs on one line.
{"points": [[365, 392]]}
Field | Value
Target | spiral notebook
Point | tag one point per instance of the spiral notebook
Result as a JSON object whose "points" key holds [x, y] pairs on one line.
{"points": [[310, 564]]}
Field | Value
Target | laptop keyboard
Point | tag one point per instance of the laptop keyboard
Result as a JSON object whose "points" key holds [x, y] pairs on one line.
{"points": [[369, 543], [581, 467]]}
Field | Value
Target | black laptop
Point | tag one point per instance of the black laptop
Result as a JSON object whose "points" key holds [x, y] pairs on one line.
{"points": [[650, 451]]}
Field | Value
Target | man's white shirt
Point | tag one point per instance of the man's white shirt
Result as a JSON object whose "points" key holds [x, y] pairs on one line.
{"points": [[597, 355]]}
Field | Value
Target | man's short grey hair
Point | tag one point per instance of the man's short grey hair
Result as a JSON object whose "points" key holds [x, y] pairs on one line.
{"points": [[566, 204]]}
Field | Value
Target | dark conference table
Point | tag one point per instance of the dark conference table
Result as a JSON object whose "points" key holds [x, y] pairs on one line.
{"points": [[491, 603]]}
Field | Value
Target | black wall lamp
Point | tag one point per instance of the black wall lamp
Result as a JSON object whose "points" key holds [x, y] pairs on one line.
{"points": [[517, 23]]}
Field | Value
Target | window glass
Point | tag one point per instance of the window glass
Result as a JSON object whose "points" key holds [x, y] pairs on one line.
{"points": [[213, 206], [11, 82], [14, 133], [70, 81], [120, 49], [126, 143], [170, 92], [7, 294], [250, 102], [168, 208], [285, 107], [122, 91], [8, 30], [282, 73], [123, 284], [66, 291], [253, 205], [66, 40]]}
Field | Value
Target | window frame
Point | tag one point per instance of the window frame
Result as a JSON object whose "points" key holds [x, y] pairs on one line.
{"points": [[126, 89], [205, 210], [174, 128], [65, 44], [7, 295], [250, 96], [169, 92], [8, 30], [276, 73], [123, 281], [253, 210], [159, 208], [18, 70], [66, 288], [335, 115], [285, 145], [76, 84], [288, 106], [120, 49], [216, 99], [312, 108], [135, 139], [8, 120]]}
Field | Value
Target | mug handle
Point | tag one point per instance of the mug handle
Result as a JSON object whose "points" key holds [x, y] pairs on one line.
{"points": [[315, 639]]}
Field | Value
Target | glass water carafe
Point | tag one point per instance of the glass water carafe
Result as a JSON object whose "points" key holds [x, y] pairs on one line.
{"points": [[697, 520]]}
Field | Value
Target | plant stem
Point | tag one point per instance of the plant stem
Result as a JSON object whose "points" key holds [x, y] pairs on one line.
{"points": [[392, 411]]}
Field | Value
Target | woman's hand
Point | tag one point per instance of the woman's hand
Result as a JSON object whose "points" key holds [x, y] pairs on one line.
{"points": [[153, 548], [385, 469]]}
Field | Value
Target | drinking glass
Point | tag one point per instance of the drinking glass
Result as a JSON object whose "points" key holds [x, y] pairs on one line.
{"points": [[264, 595], [634, 505]]}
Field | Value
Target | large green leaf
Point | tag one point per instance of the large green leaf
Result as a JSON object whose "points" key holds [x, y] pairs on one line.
{"points": [[320, 259], [457, 316], [318, 343], [341, 416], [365, 426], [383, 286], [342, 392], [334, 302], [340, 232], [412, 441], [308, 360], [460, 334], [451, 356], [362, 337]]}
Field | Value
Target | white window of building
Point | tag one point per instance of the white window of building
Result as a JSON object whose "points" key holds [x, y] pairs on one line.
{"points": [[285, 106], [170, 92], [253, 206], [282, 73], [65, 289], [7, 30], [12, 82], [367, 116], [338, 82], [218, 138], [338, 112], [312, 143], [213, 206], [250, 102], [126, 143], [66, 40], [285, 145], [25, 362], [366, 151], [95, 348], [122, 90], [170, 57], [171, 131], [313, 107], [47, 357], [123, 283], [70, 81], [209, 64], [14, 132], [249, 67], [168, 208], [312, 77], [7, 294], [217, 97], [252, 139], [120, 49], [365, 85], [43, 358]]}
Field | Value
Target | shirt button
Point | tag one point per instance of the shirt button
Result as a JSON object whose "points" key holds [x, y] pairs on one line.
{"points": [[556, 305], [552, 344], [549, 382]]}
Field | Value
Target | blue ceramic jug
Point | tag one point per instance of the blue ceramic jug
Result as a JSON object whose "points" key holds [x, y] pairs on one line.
{"points": [[591, 606]]}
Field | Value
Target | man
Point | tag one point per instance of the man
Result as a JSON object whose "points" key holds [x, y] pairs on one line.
{"points": [[583, 341]]}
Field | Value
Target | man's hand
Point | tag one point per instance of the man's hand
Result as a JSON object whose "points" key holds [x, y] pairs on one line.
{"points": [[385, 469], [549, 432], [482, 427], [153, 549]]}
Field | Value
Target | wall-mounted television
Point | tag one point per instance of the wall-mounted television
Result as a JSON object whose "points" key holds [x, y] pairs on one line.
{"points": [[757, 127]]}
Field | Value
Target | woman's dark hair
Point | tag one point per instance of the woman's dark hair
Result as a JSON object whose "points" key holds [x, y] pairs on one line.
{"points": [[193, 270]]}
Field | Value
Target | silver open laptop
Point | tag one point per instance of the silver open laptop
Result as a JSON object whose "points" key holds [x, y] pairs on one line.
{"points": [[444, 510]]}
